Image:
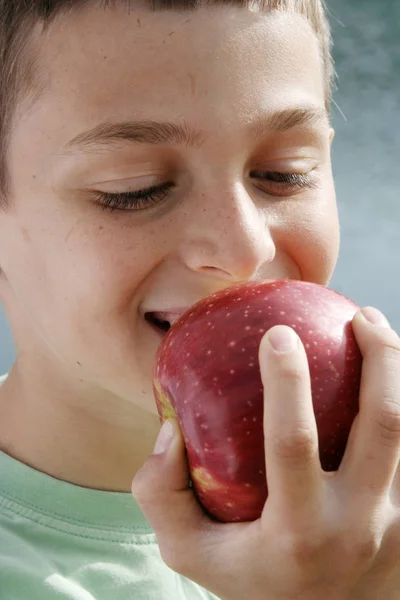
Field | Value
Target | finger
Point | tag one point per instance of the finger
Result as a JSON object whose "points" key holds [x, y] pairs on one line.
{"points": [[161, 488], [372, 454], [184, 532], [293, 466]]}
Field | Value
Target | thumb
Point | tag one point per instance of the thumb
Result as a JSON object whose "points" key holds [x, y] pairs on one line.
{"points": [[161, 488]]}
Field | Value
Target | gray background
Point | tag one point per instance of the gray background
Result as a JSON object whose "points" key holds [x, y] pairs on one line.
{"points": [[366, 156]]}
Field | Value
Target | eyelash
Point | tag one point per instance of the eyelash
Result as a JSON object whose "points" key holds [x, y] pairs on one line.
{"points": [[141, 199], [137, 200]]}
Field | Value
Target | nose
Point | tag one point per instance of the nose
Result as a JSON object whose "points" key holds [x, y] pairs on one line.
{"points": [[227, 236]]}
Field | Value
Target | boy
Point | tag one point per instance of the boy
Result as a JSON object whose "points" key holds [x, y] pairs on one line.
{"points": [[152, 155]]}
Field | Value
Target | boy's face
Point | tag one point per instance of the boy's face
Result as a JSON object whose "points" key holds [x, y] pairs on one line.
{"points": [[77, 280]]}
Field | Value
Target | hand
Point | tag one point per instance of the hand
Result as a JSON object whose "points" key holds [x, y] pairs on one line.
{"points": [[330, 536]]}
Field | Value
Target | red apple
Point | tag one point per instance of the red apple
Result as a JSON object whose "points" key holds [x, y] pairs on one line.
{"points": [[207, 376]]}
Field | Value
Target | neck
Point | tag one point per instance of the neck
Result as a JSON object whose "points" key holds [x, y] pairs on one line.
{"points": [[95, 441]]}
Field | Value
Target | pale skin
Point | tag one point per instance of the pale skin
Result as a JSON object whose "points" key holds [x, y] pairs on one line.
{"points": [[76, 279]]}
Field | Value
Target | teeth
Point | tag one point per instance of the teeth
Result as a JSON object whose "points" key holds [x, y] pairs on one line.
{"points": [[172, 319]]}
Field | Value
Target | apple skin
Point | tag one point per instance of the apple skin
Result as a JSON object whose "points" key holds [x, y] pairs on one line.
{"points": [[207, 376]]}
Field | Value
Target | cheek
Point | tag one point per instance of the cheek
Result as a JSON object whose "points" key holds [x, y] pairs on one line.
{"points": [[311, 239], [79, 284], [323, 236]]}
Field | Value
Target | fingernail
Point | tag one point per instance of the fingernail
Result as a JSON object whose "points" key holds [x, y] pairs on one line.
{"points": [[164, 438], [282, 338], [374, 316]]}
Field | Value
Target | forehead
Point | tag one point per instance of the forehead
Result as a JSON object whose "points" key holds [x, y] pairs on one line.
{"points": [[216, 65]]}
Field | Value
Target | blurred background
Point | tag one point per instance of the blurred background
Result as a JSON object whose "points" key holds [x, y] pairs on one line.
{"points": [[366, 157]]}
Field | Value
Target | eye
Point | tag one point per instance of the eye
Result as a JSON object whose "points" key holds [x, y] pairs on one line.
{"points": [[137, 200], [285, 184]]}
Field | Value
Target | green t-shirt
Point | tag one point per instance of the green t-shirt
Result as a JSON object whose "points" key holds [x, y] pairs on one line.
{"points": [[59, 541]]}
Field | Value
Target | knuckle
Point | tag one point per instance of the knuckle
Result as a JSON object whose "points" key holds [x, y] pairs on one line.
{"points": [[139, 488], [303, 549], [292, 373], [389, 418], [366, 549], [298, 445], [388, 341], [309, 551]]}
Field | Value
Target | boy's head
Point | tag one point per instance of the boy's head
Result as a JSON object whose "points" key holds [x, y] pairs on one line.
{"points": [[219, 112]]}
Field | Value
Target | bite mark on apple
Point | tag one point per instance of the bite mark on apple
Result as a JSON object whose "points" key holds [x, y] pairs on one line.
{"points": [[166, 409], [206, 481]]}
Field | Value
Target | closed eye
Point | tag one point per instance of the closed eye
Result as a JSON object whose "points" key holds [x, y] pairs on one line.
{"points": [[137, 200], [285, 184]]}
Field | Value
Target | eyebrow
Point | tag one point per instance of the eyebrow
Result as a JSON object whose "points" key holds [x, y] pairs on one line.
{"points": [[159, 133], [286, 120]]}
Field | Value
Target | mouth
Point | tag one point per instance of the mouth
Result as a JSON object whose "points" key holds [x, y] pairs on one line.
{"points": [[161, 322]]}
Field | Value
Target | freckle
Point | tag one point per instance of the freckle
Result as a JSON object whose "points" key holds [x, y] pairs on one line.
{"points": [[26, 235]]}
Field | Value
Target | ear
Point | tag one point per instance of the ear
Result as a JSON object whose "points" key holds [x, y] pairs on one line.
{"points": [[331, 135]]}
